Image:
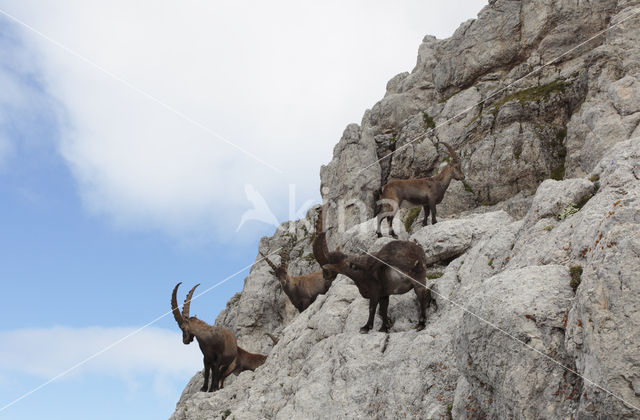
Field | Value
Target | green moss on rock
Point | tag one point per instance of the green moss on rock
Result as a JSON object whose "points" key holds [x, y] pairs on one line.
{"points": [[532, 94], [428, 121], [557, 173], [411, 217]]}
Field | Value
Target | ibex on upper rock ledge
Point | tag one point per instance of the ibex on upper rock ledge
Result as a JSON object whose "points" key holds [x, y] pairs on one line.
{"points": [[303, 290], [394, 270], [222, 355], [416, 192]]}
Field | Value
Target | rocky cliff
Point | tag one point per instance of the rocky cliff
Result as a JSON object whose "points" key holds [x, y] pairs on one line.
{"points": [[536, 257]]}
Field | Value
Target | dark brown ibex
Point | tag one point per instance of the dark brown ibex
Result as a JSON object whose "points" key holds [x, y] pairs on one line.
{"points": [[222, 355], [379, 275], [416, 192], [246, 361], [303, 290]]}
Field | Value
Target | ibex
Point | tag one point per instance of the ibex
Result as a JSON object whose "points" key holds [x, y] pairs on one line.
{"points": [[394, 270], [245, 361], [303, 290], [416, 192], [222, 355]]}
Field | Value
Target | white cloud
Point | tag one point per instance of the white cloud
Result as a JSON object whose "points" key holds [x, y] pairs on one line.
{"points": [[46, 352], [25, 110], [281, 79]]}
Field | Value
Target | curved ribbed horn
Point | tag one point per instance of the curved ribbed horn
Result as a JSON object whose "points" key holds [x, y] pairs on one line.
{"points": [[273, 338], [272, 265], [320, 248], [320, 221], [284, 257], [187, 302], [174, 306], [450, 151]]}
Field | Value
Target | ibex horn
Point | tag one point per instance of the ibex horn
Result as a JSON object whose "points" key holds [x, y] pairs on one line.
{"points": [[174, 306], [450, 151], [272, 265], [187, 302], [284, 256], [320, 248]]}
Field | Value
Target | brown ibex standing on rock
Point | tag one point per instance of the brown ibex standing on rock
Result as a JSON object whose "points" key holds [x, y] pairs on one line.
{"points": [[416, 192], [303, 290], [394, 270], [222, 355]]}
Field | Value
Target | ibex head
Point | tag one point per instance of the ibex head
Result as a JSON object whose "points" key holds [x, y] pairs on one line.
{"points": [[320, 249], [332, 263], [183, 319], [351, 266], [455, 163], [280, 271]]}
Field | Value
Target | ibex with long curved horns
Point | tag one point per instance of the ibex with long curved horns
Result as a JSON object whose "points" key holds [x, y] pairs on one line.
{"points": [[303, 290], [416, 192], [222, 355], [397, 268]]}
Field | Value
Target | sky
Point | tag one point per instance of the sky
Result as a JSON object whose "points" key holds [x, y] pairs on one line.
{"points": [[132, 137]]}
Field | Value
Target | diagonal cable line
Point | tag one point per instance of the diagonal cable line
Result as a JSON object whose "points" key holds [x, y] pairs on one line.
{"points": [[492, 325], [215, 134], [431, 130], [140, 91], [131, 334]]}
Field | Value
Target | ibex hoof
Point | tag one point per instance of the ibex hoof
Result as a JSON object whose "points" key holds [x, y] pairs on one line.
{"points": [[204, 389], [420, 327], [379, 234], [384, 329], [365, 329], [394, 236]]}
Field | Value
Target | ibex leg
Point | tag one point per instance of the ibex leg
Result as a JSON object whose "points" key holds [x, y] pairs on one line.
{"points": [[426, 209], [390, 221], [373, 303], [432, 207], [422, 294], [215, 375], [384, 306], [379, 221], [207, 367]]}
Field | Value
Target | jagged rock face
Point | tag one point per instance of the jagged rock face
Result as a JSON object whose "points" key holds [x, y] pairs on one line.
{"points": [[538, 302], [602, 238], [353, 168], [509, 353], [603, 327], [511, 133], [499, 360], [262, 307], [322, 365], [452, 238]]}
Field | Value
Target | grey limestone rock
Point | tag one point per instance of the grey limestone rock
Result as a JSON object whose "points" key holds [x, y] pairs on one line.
{"points": [[552, 165]]}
